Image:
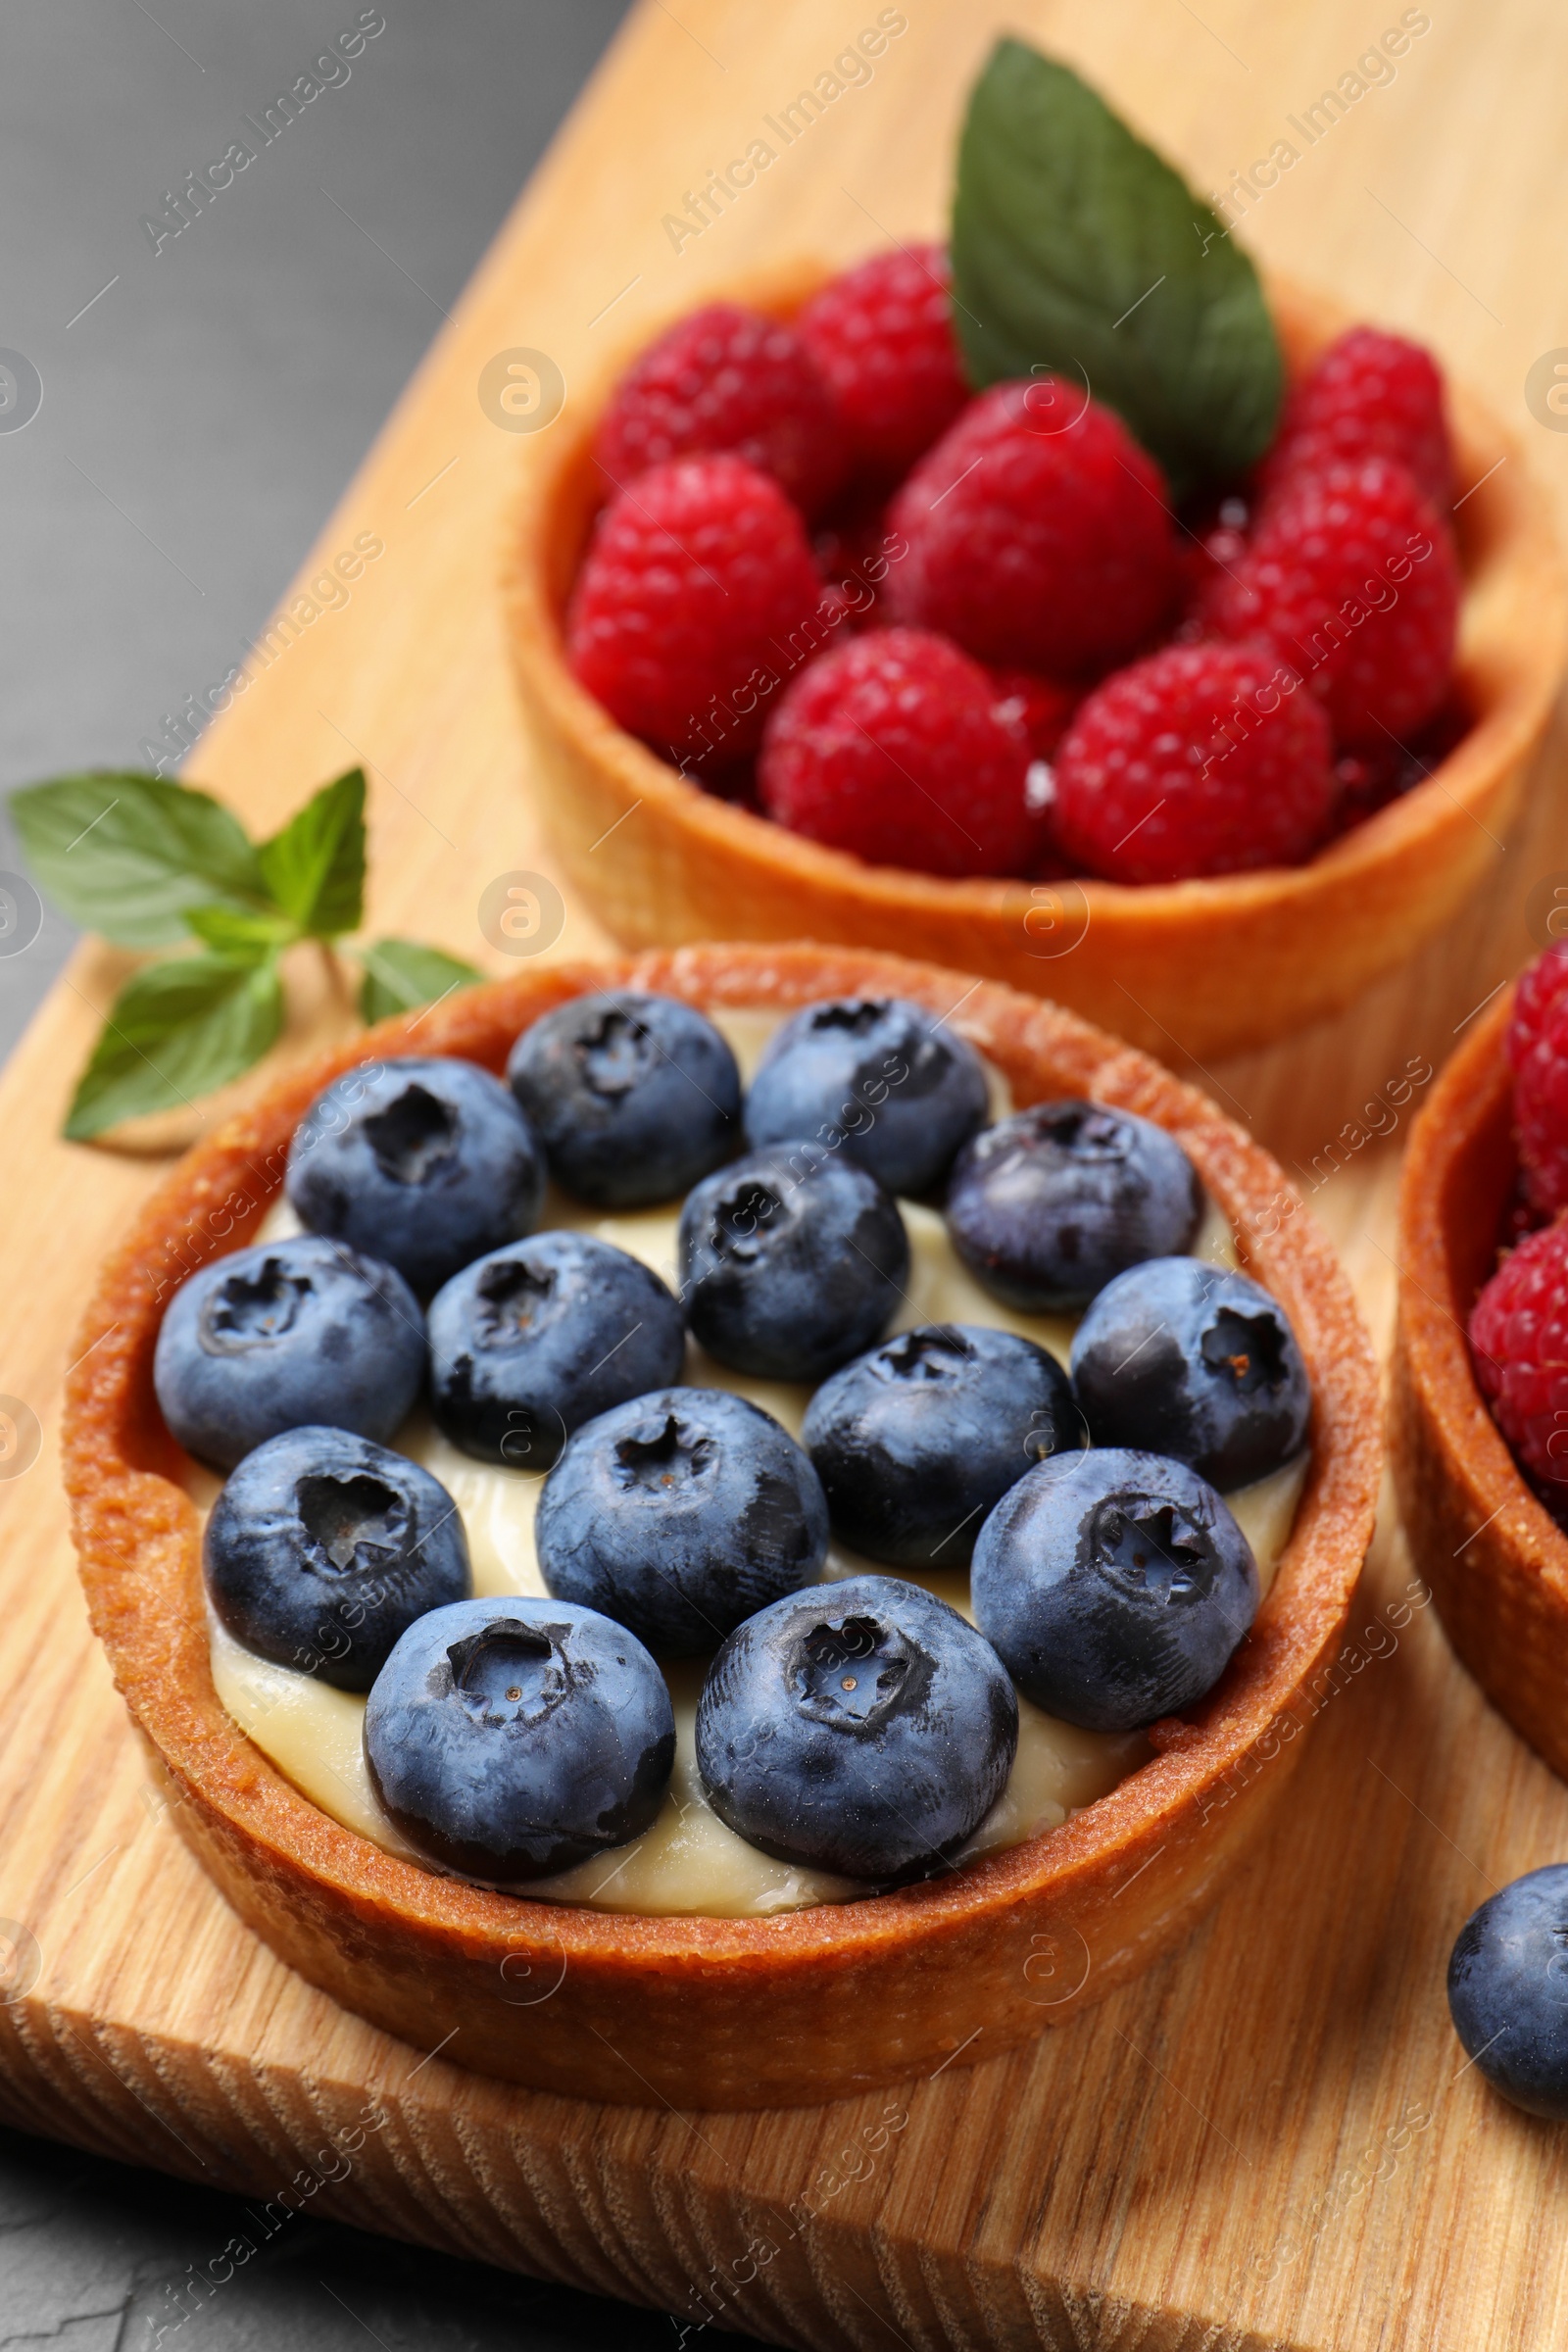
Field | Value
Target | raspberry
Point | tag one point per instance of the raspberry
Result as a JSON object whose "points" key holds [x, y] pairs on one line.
{"points": [[1539, 1050], [889, 747], [1541, 985], [1042, 707], [1352, 579], [726, 379], [1519, 1341], [1370, 395], [882, 336], [1198, 761], [854, 548], [696, 581], [1039, 534]]}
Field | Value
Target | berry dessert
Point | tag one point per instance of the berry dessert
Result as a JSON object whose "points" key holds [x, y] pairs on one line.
{"points": [[1209, 552], [425, 1164], [1508, 1991], [1480, 1388], [656, 1625]]}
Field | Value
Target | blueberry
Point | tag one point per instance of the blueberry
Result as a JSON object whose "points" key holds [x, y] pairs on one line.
{"points": [[633, 1097], [1191, 1361], [680, 1514], [1046, 1205], [424, 1162], [917, 1440], [510, 1739], [791, 1262], [1114, 1585], [863, 1728], [534, 1340], [877, 1076], [323, 1549], [282, 1333], [1508, 1990]]}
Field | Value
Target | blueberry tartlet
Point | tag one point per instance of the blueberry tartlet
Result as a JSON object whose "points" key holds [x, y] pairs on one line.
{"points": [[763, 1627]]}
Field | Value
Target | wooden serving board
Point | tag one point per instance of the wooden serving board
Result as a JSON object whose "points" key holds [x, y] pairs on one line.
{"points": [[1269, 2140]]}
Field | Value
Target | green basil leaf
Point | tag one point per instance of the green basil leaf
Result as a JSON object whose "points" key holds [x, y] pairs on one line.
{"points": [[127, 854], [243, 937], [175, 1032], [399, 974], [1075, 247], [315, 868]]}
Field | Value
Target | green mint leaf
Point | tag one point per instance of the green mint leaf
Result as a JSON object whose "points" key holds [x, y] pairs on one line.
{"points": [[127, 854], [1076, 247], [315, 868], [238, 934], [175, 1032], [399, 974]]}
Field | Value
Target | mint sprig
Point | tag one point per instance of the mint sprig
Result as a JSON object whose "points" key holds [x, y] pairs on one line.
{"points": [[1076, 247], [145, 861]]}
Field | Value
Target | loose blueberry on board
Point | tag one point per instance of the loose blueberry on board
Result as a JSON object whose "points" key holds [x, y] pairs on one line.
{"points": [[424, 1162], [283, 1333], [1508, 1990], [1046, 1205], [323, 1549], [1191, 1361], [534, 1339], [510, 1739], [1114, 1585], [863, 1728], [916, 1442], [879, 1078], [791, 1262], [679, 1514], [633, 1097]]}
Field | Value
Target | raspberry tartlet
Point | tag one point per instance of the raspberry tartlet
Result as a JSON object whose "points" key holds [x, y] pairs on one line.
{"points": [[1480, 1390], [1215, 943], [627, 2005]]}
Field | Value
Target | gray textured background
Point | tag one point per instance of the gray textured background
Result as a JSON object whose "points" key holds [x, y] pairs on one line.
{"points": [[198, 420]]}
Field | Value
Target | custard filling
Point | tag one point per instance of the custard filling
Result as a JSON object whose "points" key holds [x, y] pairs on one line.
{"points": [[690, 1862]]}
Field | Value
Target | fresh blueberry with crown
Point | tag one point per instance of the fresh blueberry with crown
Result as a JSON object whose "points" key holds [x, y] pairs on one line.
{"points": [[791, 1262], [283, 1333], [916, 1442], [1046, 1205], [323, 1549], [1508, 1990], [878, 1077], [1191, 1361], [510, 1739], [680, 1514], [1115, 1586], [534, 1340], [425, 1162], [633, 1097], [863, 1728]]}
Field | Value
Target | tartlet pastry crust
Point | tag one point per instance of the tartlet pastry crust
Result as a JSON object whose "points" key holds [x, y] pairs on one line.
{"points": [[1216, 966], [1495, 1557], [816, 2004]]}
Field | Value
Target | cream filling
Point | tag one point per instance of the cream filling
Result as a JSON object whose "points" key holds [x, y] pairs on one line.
{"points": [[689, 1862]]}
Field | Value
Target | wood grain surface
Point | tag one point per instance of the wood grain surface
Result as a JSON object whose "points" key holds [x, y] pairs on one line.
{"points": [[1271, 2139]]}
